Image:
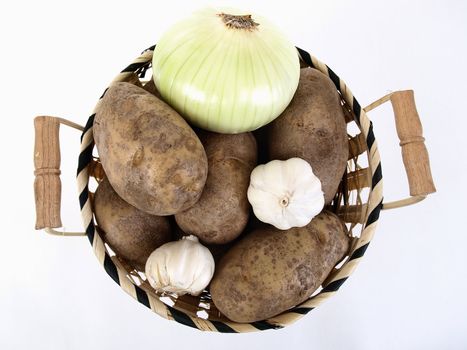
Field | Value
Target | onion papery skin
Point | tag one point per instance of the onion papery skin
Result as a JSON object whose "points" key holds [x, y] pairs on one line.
{"points": [[222, 78]]}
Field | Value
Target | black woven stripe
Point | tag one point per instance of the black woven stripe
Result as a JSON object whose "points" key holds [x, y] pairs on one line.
{"points": [[356, 109], [90, 230], [103, 94], [111, 269], [370, 139], [142, 297], [374, 215], [134, 67], [85, 158], [305, 56], [88, 125], [358, 253], [302, 310], [334, 286], [150, 48], [263, 325], [83, 197], [377, 176], [182, 318], [223, 328], [335, 79]]}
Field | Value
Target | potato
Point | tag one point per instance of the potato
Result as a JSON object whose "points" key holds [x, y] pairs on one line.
{"points": [[131, 233], [313, 128], [152, 157], [151, 88], [222, 212], [270, 271], [217, 250]]}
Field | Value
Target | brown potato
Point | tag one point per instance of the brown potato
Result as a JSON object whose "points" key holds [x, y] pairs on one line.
{"points": [[152, 157], [313, 128], [131, 233], [222, 212], [217, 250], [151, 87], [270, 270]]}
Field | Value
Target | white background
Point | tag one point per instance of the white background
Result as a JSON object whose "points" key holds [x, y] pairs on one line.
{"points": [[410, 290]]}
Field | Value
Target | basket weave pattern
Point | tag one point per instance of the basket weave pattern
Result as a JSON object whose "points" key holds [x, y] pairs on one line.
{"points": [[358, 202]]}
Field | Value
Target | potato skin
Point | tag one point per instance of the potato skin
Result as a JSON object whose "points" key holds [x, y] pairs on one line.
{"points": [[236, 146], [313, 128], [270, 270], [222, 212], [217, 250], [131, 233], [152, 157]]}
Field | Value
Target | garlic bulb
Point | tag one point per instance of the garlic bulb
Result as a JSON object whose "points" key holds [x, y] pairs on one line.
{"points": [[286, 193], [226, 70], [184, 266]]}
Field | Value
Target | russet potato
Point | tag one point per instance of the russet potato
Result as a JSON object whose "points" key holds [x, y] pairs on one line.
{"points": [[131, 233], [271, 270], [222, 212], [152, 157], [313, 128]]}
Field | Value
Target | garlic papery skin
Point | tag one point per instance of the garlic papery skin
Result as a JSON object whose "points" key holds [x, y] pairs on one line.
{"points": [[184, 266], [286, 193], [226, 70]]}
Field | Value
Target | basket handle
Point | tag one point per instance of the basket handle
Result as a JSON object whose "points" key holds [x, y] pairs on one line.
{"points": [[414, 152], [47, 184]]}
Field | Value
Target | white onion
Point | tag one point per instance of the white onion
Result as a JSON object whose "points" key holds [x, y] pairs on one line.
{"points": [[225, 71]]}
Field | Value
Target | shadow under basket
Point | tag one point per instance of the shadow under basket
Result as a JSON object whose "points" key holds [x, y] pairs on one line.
{"points": [[358, 201]]}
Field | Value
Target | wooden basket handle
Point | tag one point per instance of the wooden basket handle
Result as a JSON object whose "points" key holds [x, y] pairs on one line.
{"points": [[47, 184], [414, 152]]}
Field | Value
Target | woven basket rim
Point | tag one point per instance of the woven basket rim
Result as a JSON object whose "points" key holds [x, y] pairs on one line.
{"points": [[119, 274]]}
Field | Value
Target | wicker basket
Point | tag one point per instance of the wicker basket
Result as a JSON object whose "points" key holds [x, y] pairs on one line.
{"points": [[358, 201]]}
